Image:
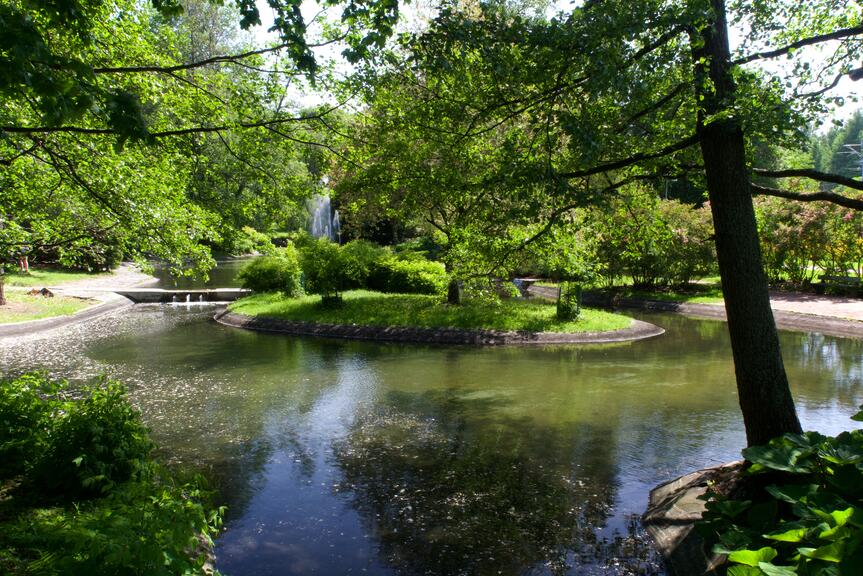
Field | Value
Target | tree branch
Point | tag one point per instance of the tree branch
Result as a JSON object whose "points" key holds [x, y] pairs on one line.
{"points": [[835, 35], [634, 159], [833, 198], [812, 175]]}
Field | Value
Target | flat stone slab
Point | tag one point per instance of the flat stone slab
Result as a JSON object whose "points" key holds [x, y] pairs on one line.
{"points": [[158, 295], [672, 511], [637, 331]]}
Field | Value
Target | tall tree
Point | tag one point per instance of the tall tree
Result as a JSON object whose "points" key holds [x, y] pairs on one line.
{"points": [[615, 92]]}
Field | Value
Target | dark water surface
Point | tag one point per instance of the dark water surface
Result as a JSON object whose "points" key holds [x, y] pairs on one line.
{"points": [[339, 457]]}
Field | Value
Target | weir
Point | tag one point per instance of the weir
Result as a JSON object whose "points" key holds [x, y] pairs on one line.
{"points": [[158, 295]]}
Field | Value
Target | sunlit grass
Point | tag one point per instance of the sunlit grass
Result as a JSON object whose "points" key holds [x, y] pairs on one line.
{"points": [[43, 277], [21, 306], [376, 309]]}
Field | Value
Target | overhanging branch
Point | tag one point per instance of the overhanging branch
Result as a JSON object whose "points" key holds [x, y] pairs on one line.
{"points": [[634, 159], [812, 175], [833, 198], [835, 35]]}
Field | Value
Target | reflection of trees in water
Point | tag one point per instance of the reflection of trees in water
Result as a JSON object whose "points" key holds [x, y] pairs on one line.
{"points": [[447, 493], [839, 358]]}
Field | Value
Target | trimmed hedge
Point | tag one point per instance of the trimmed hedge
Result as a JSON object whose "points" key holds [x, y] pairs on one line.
{"points": [[408, 276]]}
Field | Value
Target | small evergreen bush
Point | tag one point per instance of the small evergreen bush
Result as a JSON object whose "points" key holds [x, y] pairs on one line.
{"points": [[278, 273], [569, 301]]}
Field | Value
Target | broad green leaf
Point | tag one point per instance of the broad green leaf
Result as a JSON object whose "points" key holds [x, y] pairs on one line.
{"points": [[829, 553], [753, 557], [741, 570], [773, 570], [789, 532]]}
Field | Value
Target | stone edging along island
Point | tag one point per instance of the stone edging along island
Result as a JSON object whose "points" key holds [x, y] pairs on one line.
{"points": [[637, 331]]}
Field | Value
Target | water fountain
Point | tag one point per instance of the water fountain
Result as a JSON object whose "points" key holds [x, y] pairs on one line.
{"points": [[200, 298], [173, 299], [325, 222], [188, 298]]}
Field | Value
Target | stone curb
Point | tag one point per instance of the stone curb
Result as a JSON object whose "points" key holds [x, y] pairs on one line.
{"points": [[637, 331]]}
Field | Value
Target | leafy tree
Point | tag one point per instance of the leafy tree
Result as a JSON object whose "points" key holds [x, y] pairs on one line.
{"points": [[503, 121]]}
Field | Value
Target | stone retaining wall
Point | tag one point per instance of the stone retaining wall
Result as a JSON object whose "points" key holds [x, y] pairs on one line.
{"points": [[637, 331]]}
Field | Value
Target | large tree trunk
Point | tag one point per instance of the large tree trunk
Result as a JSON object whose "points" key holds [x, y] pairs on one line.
{"points": [[762, 385]]}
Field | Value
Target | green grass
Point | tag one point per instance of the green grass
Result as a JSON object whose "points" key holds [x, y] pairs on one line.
{"points": [[21, 307], [376, 309], [42, 277]]}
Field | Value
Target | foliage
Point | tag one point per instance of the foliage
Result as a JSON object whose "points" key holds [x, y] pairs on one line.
{"points": [[805, 515], [94, 444], [90, 499], [415, 276], [569, 301], [799, 240], [324, 269], [277, 273], [359, 260], [24, 420], [656, 242], [377, 309]]}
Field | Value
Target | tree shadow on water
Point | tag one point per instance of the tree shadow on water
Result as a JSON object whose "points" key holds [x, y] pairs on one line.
{"points": [[448, 486]]}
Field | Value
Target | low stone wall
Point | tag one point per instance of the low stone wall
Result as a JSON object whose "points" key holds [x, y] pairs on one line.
{"points": [[637, 331]]}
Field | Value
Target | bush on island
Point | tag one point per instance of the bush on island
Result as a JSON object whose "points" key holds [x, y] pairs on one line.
{"points": [[408, 276], [323, 265], [280, 272]]}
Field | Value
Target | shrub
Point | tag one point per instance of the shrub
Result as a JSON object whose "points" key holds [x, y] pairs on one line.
{"points": [[279, 273], [95, 443], [801, 509], [324, 269], [25, 418], [408, 276], [135, 518], [358, 258], [569, 301]]}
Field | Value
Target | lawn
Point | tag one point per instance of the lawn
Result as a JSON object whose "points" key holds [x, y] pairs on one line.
{"points": [[707, 291], [376, 309], [42, 277], [20, 306]]}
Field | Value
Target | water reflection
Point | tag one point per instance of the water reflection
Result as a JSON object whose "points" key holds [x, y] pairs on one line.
{"points": [[340, 457]]}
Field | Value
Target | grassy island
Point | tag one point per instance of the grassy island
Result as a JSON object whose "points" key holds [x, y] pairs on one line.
{"points": [[361, 307]]}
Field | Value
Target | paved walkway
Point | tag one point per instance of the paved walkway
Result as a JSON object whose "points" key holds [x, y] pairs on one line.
{"points": [[833, 306]]}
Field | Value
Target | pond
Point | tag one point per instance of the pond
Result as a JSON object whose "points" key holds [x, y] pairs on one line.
{"points": [[340, 457], [223, 275]]}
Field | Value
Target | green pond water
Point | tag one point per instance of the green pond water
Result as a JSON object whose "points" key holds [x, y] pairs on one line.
{"points": [[340, 457], [223, 275]]}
